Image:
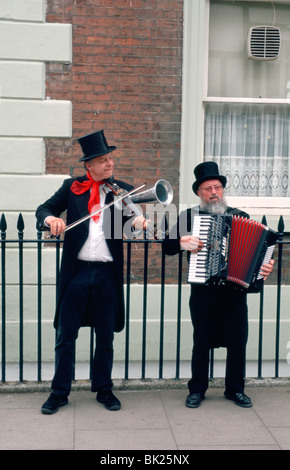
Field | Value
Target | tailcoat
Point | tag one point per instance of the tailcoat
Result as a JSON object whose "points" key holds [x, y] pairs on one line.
{"points": [[76, 207]]}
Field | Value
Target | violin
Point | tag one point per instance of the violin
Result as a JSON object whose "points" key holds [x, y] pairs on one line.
{"points": [[127, 202]]}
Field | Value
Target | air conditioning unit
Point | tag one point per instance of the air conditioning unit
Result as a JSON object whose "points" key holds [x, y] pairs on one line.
{"points": [[264, 43]]}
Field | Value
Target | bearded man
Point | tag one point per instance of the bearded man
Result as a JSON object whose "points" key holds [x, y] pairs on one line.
{"points": [[219, 313]]}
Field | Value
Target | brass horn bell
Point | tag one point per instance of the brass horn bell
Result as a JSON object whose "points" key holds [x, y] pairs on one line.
{"points": [[161, 192]]}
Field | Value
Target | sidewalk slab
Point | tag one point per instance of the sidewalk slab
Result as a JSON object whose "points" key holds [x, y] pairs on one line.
{"points": [[148, 420]]}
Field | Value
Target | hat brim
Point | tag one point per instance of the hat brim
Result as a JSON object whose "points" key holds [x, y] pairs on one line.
{"points": [[197, 183], [85, 158]]}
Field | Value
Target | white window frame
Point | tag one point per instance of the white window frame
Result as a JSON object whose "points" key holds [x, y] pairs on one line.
{"points": [[195, 81]]}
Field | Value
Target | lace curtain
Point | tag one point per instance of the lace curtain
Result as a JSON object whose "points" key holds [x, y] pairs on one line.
{"points": [[250, 143]]}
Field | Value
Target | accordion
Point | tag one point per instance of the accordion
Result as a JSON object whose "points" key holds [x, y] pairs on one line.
{"points": [[234, 249]]}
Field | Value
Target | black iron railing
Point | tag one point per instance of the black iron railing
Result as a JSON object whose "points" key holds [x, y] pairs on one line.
{"points": [[19, 245]]}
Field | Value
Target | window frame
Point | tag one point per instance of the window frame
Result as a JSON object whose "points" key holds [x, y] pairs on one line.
{"points": [[195, 73]]}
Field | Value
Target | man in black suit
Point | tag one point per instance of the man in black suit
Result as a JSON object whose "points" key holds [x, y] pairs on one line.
{"points": [[218, 312], [90, 291]]}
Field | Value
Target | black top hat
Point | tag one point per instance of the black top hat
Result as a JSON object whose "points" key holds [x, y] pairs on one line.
{"points": [[207, 171], [94, 145]]}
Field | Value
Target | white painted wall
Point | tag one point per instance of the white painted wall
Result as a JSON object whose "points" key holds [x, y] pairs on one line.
{"points": [[26, 116]]}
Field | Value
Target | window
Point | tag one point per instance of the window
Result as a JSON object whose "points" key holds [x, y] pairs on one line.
{"points": [[250, 143], [246, 127]]}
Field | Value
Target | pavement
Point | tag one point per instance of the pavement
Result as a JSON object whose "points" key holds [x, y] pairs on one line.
{"points": [[151, 419]]}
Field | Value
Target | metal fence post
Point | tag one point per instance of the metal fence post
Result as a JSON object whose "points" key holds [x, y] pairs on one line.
{"points": [[3, 226], [20, 228], [39, 304], [261, 314], [161, 340], [281, 227]]}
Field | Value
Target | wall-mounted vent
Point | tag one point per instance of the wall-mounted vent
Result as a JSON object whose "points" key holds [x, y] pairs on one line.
{"points": [[264, 43]]}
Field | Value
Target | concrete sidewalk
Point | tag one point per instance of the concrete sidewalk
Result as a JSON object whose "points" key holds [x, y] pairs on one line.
{"points": [[154, 419]]}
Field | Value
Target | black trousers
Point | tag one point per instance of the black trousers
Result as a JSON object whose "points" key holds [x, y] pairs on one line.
{"points": [[91, 296], [220, 318]]}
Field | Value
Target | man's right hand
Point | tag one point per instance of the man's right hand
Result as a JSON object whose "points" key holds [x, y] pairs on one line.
{"points": [[56, 224], [190, 243]]}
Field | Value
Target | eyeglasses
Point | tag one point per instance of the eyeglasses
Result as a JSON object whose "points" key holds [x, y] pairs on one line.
{"points": [[216, 187], [104, 160]]}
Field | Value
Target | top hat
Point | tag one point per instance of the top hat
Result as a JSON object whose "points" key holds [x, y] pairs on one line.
{"points": [[207, 171], [94, 145]]}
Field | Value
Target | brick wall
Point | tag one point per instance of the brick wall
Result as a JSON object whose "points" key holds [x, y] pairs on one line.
{"points": [[126, 78]]}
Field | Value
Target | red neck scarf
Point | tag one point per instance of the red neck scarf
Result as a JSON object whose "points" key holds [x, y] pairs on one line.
{"points": [[94, 201]]}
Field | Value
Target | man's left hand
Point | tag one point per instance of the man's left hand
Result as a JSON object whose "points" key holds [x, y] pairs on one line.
{"points": [[140, 223]]}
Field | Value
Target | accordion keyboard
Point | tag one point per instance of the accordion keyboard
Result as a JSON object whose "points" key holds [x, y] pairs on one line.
{"points": [[198, 272]]}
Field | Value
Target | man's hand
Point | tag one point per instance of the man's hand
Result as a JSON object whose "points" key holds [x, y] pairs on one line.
{"points": [[140, 223], [190, 243], [56, 224], [266, 269]]}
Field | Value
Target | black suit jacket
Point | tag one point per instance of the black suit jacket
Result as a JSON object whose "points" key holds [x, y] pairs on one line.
{"points": [[76, 206]]}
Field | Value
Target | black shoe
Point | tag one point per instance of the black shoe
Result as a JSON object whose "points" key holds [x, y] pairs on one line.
{"points": [[194, 400], [240, 399], [108, 399], [53, 403]]}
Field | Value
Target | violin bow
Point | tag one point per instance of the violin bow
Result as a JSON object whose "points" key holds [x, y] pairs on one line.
{"points": [[86, 217]]}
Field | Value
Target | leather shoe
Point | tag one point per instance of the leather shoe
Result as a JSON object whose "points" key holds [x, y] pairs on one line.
{"points": [[108, 399], [53, 403], [194, 400], [240, 399]]}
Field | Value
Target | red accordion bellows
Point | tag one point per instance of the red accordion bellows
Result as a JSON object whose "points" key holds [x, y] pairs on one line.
{"points": [[246, 238], [234, 249]]}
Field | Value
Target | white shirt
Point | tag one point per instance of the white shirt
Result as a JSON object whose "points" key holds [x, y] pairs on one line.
{"points": [[95, 247]]}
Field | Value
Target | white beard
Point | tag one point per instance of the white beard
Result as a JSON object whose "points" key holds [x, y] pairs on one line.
{"points": [[214, 208]]}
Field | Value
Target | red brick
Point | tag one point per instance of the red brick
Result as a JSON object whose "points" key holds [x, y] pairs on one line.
{"points": [[125, 78]]}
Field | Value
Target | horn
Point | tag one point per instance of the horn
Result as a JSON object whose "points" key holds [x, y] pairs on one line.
{"points": [[161, 192]]}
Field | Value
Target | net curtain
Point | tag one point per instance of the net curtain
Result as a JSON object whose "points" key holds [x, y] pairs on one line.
{"points": [[250, 143]]}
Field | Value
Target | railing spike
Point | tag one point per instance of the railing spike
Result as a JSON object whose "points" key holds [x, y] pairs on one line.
{"points": [[3, 223], [264, 220], [281, 225], [20, 223]]}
